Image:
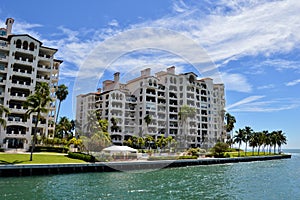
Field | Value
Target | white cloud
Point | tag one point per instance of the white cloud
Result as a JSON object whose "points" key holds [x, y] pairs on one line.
{"points": [[236, 82], [251, 104], [247, 100], [114, 23], [292, 83], [263, 87]]}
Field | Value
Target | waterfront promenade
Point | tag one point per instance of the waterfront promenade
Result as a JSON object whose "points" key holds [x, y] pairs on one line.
{"points": [[48, 169]]}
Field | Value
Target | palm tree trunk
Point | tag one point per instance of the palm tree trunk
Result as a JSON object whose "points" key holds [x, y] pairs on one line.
{"points": [[34, 136], [246, 148], [239, 149], [57, 112]]}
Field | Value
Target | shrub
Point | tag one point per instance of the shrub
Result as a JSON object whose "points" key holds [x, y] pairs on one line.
{"points": [[162, 158], [82, 156], [1, 150], [219, 149], [187, 157], [50, 149]]}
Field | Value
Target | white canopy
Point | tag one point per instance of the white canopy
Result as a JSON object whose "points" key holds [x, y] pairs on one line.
{"points": [[120, 149]]}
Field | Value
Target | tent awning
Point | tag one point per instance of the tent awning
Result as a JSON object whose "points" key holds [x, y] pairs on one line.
{"points": [[120, 149]]}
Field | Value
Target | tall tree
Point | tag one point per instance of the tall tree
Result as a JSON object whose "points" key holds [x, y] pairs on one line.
{"points": [[37, 103], [61, 94], [3, 109], [274, 139], [64, 127], [239, 138], [184, 114], [261, 138], [148, 120], [247, 135], [230, 121], [281, 140]]}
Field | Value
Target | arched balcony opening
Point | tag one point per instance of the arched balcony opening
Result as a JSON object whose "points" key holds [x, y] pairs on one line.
{"points": [[31, 46], [18, 43], [25, 45]]}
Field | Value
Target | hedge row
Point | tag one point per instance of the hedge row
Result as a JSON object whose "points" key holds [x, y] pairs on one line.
{"points": [[187, 157], [163, 158], [50, 149], [82, 156]]}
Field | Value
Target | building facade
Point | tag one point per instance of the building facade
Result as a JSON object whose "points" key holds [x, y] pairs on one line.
{"points": [[162, 96], [24, 62], [85, 105]]}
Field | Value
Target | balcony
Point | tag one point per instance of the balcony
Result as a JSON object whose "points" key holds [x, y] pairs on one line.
{"points": [[44, 56], [21, 84], [24, 60], [44, 68], [22, 72], [17, 108], [3, 58], [42, 78], [19, 96]]}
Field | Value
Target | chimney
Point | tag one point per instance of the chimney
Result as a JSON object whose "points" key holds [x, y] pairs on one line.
{"points": [[9, 22], [116, 77], [146, 72], [171, 70]]}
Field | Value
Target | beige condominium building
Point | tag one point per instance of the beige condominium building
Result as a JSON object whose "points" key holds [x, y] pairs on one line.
{"points": [[161, 96], [24, 62]]}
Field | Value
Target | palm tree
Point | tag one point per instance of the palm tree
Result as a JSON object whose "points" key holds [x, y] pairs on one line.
{"points": [[260, 140], [64, 127], [141, 142], [3, 109], [239, 138], [184, 114], [148, 140], [253, 141], [274, 139], [230, 121], [247, 135], [281, 140], [37, 103], [61, 94], [267, 140], [147, 120], [92, 124], [114, 127]]}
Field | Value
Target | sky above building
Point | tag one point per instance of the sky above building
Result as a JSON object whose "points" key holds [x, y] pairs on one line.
{"points": [[250, 46]]}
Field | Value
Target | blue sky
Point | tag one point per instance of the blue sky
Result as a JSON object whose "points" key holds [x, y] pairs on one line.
{"points": [[254, 46]]}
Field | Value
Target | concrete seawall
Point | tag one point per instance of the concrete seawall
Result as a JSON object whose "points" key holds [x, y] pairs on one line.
{"points": [[48, 169]]}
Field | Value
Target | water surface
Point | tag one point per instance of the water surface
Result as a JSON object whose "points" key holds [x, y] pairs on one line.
{"points": [[275, 179]]}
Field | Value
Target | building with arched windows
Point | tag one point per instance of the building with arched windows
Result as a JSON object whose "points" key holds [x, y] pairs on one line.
{"points": [[161, 97], [24, 62]]}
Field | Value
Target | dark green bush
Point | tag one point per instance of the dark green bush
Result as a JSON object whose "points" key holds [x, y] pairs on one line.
{"points": [[1, 150], [187, 157], [162, 158], [82, 156], [50, 149]]}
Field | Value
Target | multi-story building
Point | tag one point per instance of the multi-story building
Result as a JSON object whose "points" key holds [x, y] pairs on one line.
{"points": [[24, 62], [162, 96], [85, 106]]}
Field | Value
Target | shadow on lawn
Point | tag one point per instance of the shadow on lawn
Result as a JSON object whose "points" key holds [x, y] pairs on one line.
{"points": [[3, 162]]}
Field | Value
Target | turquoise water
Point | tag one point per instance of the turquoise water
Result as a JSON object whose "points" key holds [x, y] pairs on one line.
{"points": [[277, 179]]}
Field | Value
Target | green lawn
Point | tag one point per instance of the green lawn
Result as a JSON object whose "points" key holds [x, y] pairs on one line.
{"points": [[38, 158]]}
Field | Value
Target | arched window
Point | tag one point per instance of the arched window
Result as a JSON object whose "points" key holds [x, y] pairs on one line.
{"points": [[18, 44], [31, 46], [150, 82], [25, 45]]}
